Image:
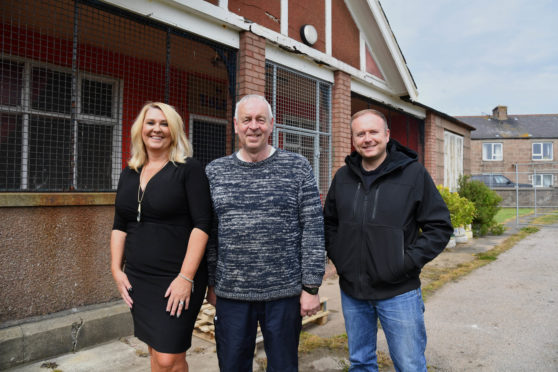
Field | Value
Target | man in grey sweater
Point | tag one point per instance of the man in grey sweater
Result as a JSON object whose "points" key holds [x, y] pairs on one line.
{"points": [[266, 259]]}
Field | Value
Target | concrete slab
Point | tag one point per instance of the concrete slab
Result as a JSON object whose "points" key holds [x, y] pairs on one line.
{"points": [[63, 334]]}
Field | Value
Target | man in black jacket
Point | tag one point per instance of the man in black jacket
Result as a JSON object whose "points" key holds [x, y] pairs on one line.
{"points": [[384, 220]]}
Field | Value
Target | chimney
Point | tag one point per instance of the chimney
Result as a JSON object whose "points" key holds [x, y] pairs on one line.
{"points": [[500, 113]]}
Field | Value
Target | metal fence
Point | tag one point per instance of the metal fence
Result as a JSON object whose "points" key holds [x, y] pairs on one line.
{"points": [[73, 76], [530, 185], [302, 107]]}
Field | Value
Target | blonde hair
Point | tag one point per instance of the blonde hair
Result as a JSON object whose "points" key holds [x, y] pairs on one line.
{"points": [[180, 148]]}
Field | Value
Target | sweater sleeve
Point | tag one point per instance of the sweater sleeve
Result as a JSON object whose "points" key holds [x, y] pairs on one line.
{"points": [[311, 222], [211, 250]]}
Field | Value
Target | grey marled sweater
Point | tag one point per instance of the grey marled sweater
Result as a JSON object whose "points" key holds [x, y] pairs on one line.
{"points": [[270, 235]]}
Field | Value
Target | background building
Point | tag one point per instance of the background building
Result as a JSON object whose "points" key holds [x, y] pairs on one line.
{"points": [[73, 75]]}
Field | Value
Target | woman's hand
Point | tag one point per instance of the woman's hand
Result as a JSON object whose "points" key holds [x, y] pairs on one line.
{"points": [[179, 292], [124, 286]]}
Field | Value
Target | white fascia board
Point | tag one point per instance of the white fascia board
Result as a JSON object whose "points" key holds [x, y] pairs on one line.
{"points": [[297, 62], [366, 91], [362, 51], [393, 48], [218, 24], [294, 47], [198, 17]]}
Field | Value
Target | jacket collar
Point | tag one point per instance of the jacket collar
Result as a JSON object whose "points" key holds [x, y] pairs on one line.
{"points": [[399, 156]]}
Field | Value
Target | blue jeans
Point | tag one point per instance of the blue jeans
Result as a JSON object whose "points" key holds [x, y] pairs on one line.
{"points": [[402, 320], [236, 324]]}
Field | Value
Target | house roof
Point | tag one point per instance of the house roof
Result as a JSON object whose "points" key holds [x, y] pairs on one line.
{"points": [[453, 119], [515, 126]]}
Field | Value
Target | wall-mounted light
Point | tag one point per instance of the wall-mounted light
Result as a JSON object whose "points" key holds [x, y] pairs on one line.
{"points": [[308, 34]]}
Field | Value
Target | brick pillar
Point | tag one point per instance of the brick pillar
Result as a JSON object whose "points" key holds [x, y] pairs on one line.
{"points": [[340, 119], [434, 148], [251, 65]]}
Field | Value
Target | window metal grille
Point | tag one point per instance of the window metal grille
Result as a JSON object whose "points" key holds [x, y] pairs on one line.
{"points": [[302, 108], [74, 75]]}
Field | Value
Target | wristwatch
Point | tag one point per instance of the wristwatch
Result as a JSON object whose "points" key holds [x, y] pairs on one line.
{"points": [[311, 290]]}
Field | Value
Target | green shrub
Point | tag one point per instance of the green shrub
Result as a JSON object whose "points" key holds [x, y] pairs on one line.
{"points": [[462, 211], [486, 204]]}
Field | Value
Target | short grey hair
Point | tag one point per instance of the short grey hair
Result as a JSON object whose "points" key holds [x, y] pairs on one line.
{"points": [[248, 97], [360, 113]]}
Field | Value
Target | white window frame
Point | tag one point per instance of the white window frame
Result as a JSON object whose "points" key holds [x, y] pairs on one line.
{"points": [[538, 179], [24, 108], [453, 165], [493, 145], [539, 156]]}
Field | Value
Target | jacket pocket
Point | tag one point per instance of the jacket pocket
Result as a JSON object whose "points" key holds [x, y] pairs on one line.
{"points": [[344, 249], [385, 254]]}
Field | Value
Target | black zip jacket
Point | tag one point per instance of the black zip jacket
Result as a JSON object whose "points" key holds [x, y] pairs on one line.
{"points": [[372, 235]]}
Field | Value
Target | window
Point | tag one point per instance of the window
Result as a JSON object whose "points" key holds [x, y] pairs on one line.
{"points": [[453, 160], [542, 151], [492, 152], [543, 180], [46, 147], [209, 138]]}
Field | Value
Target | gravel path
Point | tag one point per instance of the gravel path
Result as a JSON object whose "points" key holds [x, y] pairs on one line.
{"points": [[501, 317]]}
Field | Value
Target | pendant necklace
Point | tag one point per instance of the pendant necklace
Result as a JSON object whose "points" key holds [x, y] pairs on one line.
{"points": [[140, 198]]}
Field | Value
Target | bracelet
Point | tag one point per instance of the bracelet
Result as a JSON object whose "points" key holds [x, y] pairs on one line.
{"points": [[187, 279]]}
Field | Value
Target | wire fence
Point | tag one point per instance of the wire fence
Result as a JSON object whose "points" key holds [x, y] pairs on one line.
{"points": [[530, 185], [74, 74]]}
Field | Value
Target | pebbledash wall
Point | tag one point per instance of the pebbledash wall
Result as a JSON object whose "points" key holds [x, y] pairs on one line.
{"points": [[55, 245]]}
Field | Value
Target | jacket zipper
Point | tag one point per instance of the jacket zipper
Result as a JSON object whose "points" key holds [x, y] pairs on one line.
{"points": [[376, 195], [355, 201], [363, 242]]}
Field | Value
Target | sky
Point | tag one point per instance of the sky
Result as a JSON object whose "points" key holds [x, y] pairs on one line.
{"points": [[469, 56]]}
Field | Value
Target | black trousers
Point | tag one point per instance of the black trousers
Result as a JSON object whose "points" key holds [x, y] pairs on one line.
{"points": [[236, 324]]}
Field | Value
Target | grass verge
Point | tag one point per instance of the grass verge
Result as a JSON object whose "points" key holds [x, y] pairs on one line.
{"points": [[507, 214], [440, 276], [547, 219]]}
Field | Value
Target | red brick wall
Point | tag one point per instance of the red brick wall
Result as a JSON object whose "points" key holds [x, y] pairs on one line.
{"points": [[434, 127], [345, 35], [308, 12], [266, 13], [251, 65], [340, 119]]}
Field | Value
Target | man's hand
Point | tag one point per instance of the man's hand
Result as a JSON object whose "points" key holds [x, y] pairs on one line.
{"points": [[210, 297], [309, 304]]}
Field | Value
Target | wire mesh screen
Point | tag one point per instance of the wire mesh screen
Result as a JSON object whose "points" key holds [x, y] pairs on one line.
{"points": [[73, 77], [302, 107]]}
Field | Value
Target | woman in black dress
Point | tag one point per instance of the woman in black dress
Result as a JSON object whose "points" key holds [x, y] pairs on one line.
{"points": [[161, 226]]}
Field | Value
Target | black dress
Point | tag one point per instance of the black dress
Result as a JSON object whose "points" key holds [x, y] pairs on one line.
{"points": [[176, 200]]}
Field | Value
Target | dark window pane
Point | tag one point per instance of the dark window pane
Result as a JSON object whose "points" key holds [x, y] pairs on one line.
{"points": [[94, 157], [96, 98], [51, 91], [10, 152], [50, 154], [11, 81], [209, 141]]}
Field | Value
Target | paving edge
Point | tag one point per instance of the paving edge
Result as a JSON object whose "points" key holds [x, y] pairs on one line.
{"points": [[58, 335]]}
